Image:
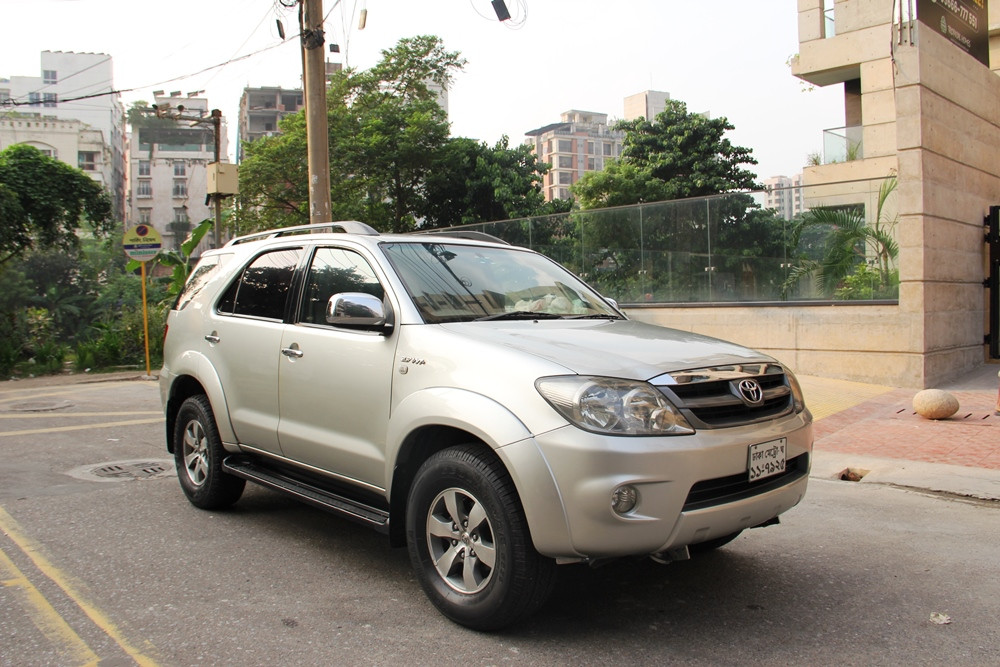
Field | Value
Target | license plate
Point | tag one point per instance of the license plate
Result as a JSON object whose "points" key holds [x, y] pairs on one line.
{"points": [[766, 458]]}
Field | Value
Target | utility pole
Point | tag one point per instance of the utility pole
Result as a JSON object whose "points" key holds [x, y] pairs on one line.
{"points": [[317, 133]]}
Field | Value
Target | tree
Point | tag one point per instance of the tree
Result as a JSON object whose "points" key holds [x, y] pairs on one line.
{"points": [[472, 182], [678, 155], [386, 136], [43, 203]]}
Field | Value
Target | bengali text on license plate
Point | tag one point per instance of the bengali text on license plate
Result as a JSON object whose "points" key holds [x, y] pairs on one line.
{"points": [[766, 459]]}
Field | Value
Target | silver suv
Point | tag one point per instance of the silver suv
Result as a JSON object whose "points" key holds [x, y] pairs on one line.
{"points": [[474, 401]]}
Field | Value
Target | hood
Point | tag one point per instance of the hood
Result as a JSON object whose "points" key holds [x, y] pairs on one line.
{"points": [[612, 348]]}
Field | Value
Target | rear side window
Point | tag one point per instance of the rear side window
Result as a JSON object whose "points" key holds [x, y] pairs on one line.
{"points": [[205, 269], [263, 286]]}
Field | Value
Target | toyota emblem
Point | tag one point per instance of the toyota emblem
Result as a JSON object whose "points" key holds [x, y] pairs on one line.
{"points": [[751, 392]]}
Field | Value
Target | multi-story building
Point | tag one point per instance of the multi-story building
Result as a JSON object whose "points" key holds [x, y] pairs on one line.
{"points": [[70, 141], [784, 195], [260, 111], [582, 141], [647, 104], [920, 103], [168, 160], [75, 87]]}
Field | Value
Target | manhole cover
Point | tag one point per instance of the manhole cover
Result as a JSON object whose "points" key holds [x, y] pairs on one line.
{"points": [[39, 406], [117, 471]]}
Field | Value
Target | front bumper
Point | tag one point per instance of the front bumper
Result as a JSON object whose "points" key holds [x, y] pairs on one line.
{"points": [[569, 508]]}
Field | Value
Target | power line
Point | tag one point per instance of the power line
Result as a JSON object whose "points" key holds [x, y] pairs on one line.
{"points": [[17, 103]]}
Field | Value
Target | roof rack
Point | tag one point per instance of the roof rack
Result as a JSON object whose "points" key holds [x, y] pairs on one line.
{"points": [[469, 234], [343, 227]]}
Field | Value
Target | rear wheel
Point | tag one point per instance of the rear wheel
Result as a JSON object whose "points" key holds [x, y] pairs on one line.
{"points": [[198, 454], [469, 542]]}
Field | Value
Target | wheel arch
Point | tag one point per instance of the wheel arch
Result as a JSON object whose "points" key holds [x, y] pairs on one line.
{"points": [[433, 420], [199, 378]]}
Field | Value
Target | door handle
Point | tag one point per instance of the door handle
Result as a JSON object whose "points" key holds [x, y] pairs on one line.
{"points": [[212, 337], [293, 352]]}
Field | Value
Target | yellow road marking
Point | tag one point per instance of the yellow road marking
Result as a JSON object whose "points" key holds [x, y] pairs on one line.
{"points": [[33, 551], [45, 617], [80, 427], [47, 415]]}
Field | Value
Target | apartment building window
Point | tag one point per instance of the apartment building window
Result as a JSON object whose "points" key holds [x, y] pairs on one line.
{"points": [[144, 189], [87, 160], [590, 164], [34, 99], [565, 178], [145, 216], [49, 76], [607, 149], [50, 100], [180, 168], [563, 193], [180, 188], [144, 167], [590, 148], [565, 146], [565, 162], [181, 214]]}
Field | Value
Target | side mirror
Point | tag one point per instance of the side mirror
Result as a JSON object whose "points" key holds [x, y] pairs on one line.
{"points": [[357, 310]]}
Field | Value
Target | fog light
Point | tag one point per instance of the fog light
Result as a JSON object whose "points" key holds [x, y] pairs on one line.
{"points": [[624, 498]]}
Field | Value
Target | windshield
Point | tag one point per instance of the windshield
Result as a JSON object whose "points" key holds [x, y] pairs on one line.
{"points": [[460, 283]]}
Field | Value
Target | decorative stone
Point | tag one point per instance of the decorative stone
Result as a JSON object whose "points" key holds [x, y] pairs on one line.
{"points": [[935, 404]]}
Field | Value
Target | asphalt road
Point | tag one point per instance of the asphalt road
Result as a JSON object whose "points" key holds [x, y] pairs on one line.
{"points": [[122, 570]]}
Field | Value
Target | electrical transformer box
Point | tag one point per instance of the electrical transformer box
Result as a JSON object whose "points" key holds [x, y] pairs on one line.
{"points": [[223, 179]]}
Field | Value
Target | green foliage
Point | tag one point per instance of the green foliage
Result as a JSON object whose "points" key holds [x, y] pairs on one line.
{"points": [[178, 260], [392, 162], [473, 182], [679, 155], [43, 202], [851, 245]]}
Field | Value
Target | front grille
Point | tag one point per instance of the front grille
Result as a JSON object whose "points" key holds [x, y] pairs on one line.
{"points": [[710, 397], [711, 492]]}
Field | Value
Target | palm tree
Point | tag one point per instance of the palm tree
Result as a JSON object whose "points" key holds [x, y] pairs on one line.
{"points": [[851, 243]]}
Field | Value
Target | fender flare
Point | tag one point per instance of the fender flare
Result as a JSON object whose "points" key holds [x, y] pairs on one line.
{"points": [[196, 365], [508, 438]]}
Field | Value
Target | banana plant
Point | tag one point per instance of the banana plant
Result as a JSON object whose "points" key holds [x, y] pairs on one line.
{"points": [[179, 260]]}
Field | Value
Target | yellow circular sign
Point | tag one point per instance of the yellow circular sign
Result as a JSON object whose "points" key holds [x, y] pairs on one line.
{"points": [[142, 242]]}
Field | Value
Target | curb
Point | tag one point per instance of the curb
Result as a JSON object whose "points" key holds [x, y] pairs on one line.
{"points": [[952, 480]]}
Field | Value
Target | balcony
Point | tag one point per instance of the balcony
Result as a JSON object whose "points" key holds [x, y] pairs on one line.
{"points": [[842, 144]]}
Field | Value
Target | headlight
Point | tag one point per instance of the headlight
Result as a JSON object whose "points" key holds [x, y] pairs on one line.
{"points": [[609, 405], [793, 384]]}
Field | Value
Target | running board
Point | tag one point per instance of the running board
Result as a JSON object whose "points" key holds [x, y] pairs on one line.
{"points": [[307, 493]]}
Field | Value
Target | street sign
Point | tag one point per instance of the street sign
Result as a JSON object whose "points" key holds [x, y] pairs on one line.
{"points": [[142, 242]]}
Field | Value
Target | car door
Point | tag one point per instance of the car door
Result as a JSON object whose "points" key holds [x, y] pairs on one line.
{"points": [[334, 384], [245, 342]]}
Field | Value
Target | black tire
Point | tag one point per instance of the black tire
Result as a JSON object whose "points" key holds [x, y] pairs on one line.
{"points": [[482, 573], [712, 545], [198, 455]]}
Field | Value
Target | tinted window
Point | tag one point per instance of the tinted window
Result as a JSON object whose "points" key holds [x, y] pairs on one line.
{"points": [[196, 281], [334, 271], [263, 287]]}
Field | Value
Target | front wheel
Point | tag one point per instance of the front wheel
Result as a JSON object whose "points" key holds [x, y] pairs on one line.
{"points": [[469, 541], [198, 454]]}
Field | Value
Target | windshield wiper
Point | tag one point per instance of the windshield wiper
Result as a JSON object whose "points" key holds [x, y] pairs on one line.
{"points": [[519, 315], [595, 316]]}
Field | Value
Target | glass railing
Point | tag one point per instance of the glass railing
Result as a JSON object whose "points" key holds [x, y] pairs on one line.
{"points": [[843, 144], [727, 248]]}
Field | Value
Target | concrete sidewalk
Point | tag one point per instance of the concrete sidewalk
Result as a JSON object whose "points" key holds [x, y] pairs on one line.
{"points": [[873, 431]]}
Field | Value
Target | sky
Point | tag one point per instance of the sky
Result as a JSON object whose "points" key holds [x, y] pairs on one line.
{"points": [[727, 58]]}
